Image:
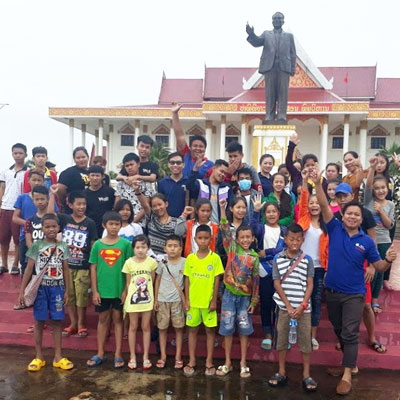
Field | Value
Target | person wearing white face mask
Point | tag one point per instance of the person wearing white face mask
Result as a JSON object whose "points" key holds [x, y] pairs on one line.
{"points": [[245, 183]]}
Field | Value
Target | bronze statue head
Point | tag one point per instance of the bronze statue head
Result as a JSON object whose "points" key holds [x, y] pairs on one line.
{"points": [[278, 19]]}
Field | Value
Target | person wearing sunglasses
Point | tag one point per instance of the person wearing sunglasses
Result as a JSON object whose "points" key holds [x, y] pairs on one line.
{"points": [[173, 187]]}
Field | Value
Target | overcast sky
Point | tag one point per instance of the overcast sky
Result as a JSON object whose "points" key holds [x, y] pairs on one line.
{"points": [[106, 53]]}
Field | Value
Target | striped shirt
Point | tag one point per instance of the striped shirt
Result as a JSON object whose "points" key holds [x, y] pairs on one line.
{"points": [[295, 284]]}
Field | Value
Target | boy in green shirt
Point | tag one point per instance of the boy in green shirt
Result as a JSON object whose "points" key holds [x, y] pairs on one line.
{"points": [[202, 270], [107, 258]]}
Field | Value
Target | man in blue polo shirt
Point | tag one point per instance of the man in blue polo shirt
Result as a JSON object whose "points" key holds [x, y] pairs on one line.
{"points": [[173, 187], [349, 247], [197, 147]]}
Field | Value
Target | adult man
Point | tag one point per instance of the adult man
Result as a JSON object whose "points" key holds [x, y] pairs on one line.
{"points": [[197, 147], [213, 188], [277, 63], [173, 187], [349, 248]]}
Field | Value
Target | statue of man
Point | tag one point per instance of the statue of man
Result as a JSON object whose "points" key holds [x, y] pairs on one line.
{"points": [[277, 63]]}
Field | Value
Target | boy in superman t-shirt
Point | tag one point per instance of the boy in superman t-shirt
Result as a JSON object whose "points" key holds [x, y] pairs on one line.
{"points": [[107, 258]]}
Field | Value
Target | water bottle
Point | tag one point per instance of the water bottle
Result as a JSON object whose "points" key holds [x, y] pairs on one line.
{"points": [[292, 331]]}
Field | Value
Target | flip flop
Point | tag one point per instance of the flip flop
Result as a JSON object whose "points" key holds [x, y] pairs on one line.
{"points": [[210, 371], [189, 370], [69, 331], [376, 308], [119, 360], [307, 382], [245, 372], [281, 380], [19, 307], [223, 370], [97, 361], [266, 344], [378, 347], [82, 333], [64, 364], [36, 365], [160, 364], [147, 365], [178, 364], [132, 364]]}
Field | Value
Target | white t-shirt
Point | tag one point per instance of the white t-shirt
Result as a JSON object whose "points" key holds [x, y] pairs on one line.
{"points": [[271, 236], [128, 232], [195, 248], [13, 187], [311, 244]]}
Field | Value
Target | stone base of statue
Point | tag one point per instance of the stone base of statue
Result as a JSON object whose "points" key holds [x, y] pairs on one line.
{"points": [[271, 139]]}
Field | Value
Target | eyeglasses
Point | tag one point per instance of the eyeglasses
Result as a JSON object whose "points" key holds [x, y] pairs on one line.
{"points": [[176, 162]]}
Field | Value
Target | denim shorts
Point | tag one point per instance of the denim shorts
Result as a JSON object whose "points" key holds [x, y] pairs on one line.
{"points": [[234, 311], [49, 303]]}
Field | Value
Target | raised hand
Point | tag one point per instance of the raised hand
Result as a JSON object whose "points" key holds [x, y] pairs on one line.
{"points": [[249, 29], [294, 138], [188, 210], [257, 202], [198, 164], [373, 161], [305, 174], [175, 108], [54, 189], [315, 175], [223, 203], [396, 159]]}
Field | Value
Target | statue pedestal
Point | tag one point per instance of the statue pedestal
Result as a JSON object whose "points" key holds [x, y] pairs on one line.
{"points": [[271, 139]]}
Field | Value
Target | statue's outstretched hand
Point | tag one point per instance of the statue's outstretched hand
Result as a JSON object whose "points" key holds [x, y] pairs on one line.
{"points": [[249, 29]]}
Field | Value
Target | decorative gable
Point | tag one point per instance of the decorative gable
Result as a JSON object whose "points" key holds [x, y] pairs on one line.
{"points": [[161, 130], [232, 130], [195, 130], [127, 129], [338, 131], [378, 130]]}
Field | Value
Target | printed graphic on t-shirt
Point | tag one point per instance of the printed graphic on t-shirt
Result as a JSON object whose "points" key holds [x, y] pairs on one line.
{"points": [[110, 256], [142, 295], [85, 178], [77, 240], [37, 233], [54, 266]]}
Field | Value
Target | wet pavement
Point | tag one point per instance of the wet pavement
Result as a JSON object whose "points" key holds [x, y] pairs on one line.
{"points": [[105, 383]]}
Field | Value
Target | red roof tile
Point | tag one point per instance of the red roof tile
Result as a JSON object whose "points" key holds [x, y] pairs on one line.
{"points": [[360, 81], [225, 83], [181, 91], [387, 91], [295, 95]]}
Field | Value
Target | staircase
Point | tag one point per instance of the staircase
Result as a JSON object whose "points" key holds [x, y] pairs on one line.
{"points": [[14, 324]]}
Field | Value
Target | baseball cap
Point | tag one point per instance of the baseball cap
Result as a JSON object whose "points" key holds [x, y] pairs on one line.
{"points": [[343, 188]]}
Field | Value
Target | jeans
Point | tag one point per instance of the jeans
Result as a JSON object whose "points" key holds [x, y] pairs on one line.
{"points": [[267, 305], [345, 312], [316, 296], [23, 248], [376, 284]]}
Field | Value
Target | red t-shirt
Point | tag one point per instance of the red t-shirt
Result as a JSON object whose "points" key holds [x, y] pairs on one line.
{"points": [[50, 178]]}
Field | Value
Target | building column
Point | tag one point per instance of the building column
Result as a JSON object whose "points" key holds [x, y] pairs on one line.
{"points": [[83, 135], [110, 144], [243, 136], [222, 138], [172, 139], [137, 131], [324, 142], [208, 139], [363, 142], [101, 134], [346, 132], [71, 140], [96, 142]]}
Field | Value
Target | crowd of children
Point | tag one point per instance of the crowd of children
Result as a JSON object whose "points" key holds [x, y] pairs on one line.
{"points": [[163, 251]]}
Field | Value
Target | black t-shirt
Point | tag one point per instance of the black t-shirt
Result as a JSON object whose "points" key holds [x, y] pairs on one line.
{"points": [[106, 180], [34, 227], [78, 236], [145, 169], [97, 203], [368, 221], [74, 179]]}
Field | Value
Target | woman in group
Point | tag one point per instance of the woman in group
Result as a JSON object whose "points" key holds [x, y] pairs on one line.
{"points": [[74, 178], [355, 173], [267, 162], [284, 200]]}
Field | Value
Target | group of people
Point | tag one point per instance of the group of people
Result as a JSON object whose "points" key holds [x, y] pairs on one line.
{"points": [[162, 252]]}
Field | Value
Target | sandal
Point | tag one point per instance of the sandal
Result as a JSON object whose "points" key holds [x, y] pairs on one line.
{"points": [[69, 331], [189, 370], [19, 307], [307, 382], [119, 362], [278, 380], [96, 361], [378, 347], [82, 333], [64, 364], [147, 364], [132, 364], [338, 347], [223, 370], [160, 364], [245, 372], [178, 364], [36, 365], [314, 344], [210, 371], [376, 308], [14, 270], [266, 344]]}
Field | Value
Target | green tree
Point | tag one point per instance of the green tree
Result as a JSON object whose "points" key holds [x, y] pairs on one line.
{"points": [[393, 149], [159, 155]]}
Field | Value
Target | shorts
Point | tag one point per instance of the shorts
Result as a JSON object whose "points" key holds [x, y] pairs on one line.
{"points": [[8, 229], [171, 311], [368, 293], [234, 312], [303, 332], [196, 316], [49, 303], [109, 304], [78, 287]]}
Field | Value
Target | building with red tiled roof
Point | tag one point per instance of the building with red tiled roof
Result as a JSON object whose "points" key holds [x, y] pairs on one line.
{"points": [[334, 109]]}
